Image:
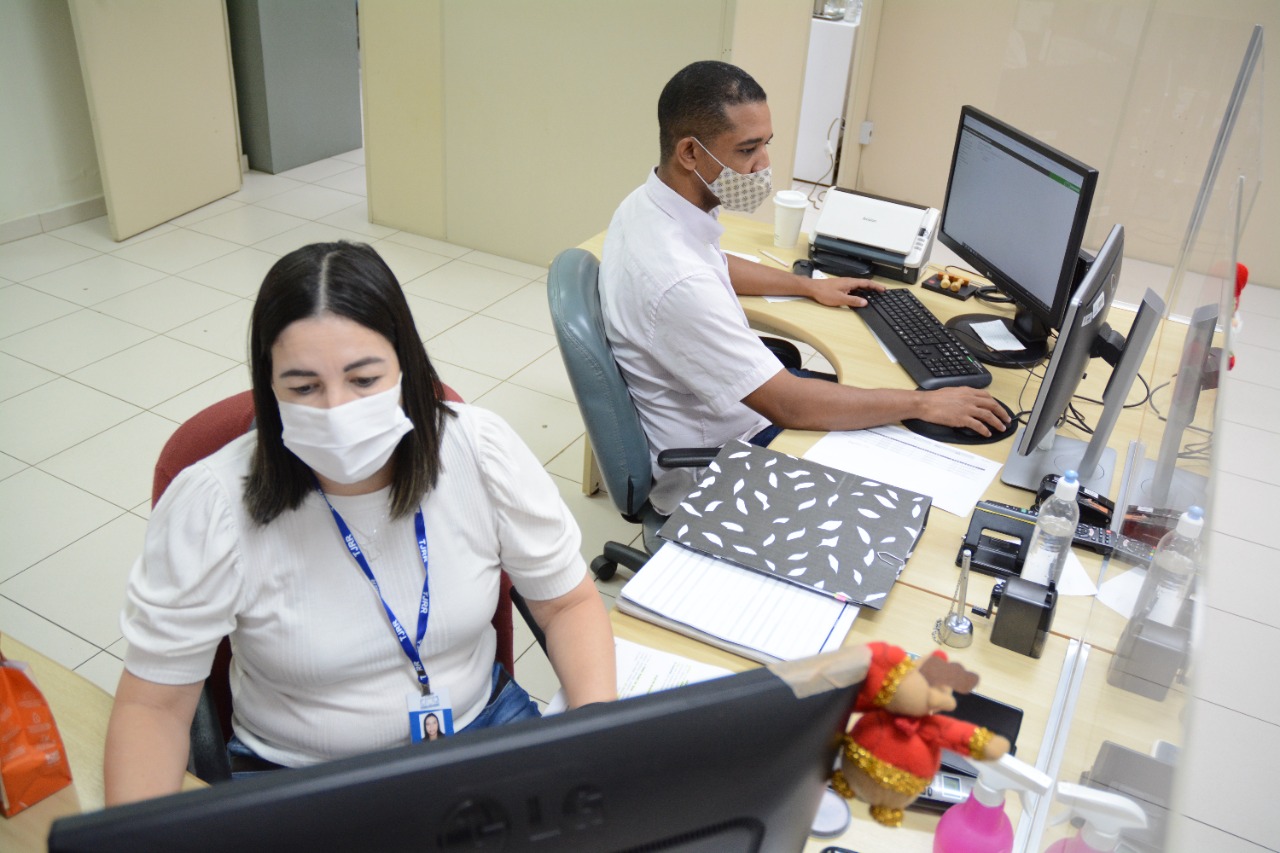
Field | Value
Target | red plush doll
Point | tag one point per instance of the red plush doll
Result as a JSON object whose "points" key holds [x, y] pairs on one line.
{"points": [[895, 748]]}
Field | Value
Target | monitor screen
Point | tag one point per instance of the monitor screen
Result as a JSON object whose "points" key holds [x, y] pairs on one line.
{"points": [[1015, 211], [734, 764]]}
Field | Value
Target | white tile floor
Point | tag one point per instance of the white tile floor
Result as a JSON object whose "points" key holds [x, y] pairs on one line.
{"points": [[106, 347]]}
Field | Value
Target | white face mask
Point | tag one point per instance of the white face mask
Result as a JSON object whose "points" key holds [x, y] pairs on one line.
{"points": [[347, 443], [737, 191]]}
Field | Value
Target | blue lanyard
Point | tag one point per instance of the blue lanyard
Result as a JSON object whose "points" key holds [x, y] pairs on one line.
{"points": [[424, 608]]}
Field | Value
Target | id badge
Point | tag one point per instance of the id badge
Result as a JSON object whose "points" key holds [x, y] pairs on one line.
{"points": [[430, 716]]}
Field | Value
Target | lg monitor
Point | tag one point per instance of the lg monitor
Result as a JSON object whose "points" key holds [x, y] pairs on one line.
{"points": [[735, 764], [1015, 212], [1084, 335]]}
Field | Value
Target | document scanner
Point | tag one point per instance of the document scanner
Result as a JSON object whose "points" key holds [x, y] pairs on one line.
{"points": [[858, 234]]}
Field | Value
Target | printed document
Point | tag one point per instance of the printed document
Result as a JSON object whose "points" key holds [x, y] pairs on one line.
{"points": [[956, 479]]}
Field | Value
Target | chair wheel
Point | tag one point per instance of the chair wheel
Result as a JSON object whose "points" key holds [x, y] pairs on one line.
{"points": [[603, 568]]}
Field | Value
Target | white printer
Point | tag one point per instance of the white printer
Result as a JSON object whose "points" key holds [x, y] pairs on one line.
{"points": [[858, 234]]}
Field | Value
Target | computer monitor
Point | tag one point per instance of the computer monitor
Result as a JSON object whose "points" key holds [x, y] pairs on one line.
{"points": [[735, 764], [1160, 482], [1038, 449], [1015, 212]]}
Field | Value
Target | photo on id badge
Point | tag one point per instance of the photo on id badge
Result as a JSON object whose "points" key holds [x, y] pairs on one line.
{"points": [[430, 717]]}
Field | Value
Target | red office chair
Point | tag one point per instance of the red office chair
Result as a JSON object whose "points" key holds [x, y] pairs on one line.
{"points": [[203, 434]]}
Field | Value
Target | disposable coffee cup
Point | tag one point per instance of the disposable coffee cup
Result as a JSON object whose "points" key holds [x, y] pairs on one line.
{"points": [[788, 215]]}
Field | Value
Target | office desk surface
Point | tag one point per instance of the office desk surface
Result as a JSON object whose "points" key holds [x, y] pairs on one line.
{"points": [[81, 710], [907, 620], [843, 339], [925, 588]]}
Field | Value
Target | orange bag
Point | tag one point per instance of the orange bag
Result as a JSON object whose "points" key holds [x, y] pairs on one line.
{"points": [[33, 762]]}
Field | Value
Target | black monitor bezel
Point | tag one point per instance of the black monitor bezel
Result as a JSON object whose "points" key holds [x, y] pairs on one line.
{"points": [[686, 767], [1049, 315]]}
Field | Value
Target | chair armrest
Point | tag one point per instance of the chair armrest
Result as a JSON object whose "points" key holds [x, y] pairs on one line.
{"points": [[687, 457], [522, 607]]}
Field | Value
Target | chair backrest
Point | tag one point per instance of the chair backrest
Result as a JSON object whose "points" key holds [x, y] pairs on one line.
{"points": [[613, 425], [208, 431]]}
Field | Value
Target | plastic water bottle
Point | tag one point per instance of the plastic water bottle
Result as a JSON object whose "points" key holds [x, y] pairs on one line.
{"points": [[1055, 528], [1173, 567]]}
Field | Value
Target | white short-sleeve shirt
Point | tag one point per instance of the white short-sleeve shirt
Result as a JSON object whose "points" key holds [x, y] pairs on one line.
{"points": [[317, 672], [677, 330]]}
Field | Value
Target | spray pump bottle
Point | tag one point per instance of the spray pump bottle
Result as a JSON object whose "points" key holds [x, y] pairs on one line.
{"points": [[979, 824], [1105, 814]]}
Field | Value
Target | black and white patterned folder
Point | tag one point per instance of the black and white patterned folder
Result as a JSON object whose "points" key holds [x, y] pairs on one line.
{"points": [[835, 532]]}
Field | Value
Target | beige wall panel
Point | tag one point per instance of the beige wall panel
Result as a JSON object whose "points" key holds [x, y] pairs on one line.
{"points": [[402, 73], [1091, 77], [49, 161], [161, 99], [770, 41], [551, 112], [917, 90], [860, 76]]}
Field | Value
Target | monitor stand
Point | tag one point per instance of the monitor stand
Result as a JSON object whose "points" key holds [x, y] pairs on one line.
{"points": [[1062, 454], [1095, 462], [1171, 488]]}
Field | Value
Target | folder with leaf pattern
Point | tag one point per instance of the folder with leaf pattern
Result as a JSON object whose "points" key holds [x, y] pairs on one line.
{"points": [[837, 533]]}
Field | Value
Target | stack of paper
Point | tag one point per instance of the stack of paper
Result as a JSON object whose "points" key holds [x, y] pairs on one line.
{"points": [[739, 610]]}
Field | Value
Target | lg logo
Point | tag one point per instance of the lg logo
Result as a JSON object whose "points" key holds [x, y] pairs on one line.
{"points": [[482, 823]]}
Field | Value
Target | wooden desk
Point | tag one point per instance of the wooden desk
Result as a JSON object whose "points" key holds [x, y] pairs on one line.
{"points": [[907, 621], [81, 710], [922, 595], [857, 358]]}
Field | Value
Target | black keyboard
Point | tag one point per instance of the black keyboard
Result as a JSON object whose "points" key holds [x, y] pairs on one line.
{"points": [[930, 353]]}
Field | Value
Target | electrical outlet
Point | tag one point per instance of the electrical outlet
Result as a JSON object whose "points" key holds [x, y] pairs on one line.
{"points": [[831, 149], [864, 132]]}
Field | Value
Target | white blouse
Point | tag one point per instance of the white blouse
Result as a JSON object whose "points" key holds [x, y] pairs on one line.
{"points": [[317, 672]]}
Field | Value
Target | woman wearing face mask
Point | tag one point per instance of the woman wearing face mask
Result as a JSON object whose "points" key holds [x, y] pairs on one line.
{"points": [[351, 546]]}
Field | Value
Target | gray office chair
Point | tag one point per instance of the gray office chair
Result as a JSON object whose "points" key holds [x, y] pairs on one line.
{"points": [[613, 425]]}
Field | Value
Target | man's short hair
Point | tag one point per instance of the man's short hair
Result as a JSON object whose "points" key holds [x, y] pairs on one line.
{"points": [[693, 102]]}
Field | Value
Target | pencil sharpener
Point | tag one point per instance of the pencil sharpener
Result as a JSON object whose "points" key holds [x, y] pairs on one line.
{"points": [[1023, 615]]}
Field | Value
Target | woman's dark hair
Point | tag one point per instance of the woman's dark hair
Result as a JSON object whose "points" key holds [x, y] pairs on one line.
{"points": [[693, 102], [347, 280]]}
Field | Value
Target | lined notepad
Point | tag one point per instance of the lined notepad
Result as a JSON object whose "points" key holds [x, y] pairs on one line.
{"points": [[739, 610]]}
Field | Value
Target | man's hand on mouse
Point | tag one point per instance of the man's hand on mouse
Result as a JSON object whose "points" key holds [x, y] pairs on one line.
{"points": [[838, 292], [967, 408]]}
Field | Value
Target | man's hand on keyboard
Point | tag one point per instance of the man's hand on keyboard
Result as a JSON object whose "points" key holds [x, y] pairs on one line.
{"points": [[838, 292], [969, 408]]}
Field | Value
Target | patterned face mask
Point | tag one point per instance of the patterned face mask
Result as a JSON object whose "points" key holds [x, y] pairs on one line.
{"points": [[737, 191]]}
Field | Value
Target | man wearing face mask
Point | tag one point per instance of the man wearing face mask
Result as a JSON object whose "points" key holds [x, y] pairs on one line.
{"points": [[698, 375]]}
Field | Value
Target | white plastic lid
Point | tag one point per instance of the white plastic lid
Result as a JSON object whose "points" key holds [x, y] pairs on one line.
{"points": [[1068, 485], [1191, 522], [1106, 814], [1006, 773]]}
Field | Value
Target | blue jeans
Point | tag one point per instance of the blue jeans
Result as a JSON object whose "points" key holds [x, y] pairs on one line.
{"points": [[769, 433], [508, 703]]}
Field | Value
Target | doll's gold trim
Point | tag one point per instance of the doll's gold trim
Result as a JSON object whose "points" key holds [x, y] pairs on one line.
{"points": [[884, 773], [978, 742], [892, 679]]}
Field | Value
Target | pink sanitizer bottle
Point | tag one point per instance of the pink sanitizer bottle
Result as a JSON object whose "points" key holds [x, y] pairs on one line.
{"points": [[979, 824]]}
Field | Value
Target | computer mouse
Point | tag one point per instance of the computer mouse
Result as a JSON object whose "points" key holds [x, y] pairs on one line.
{"points": [[962, 435]]}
